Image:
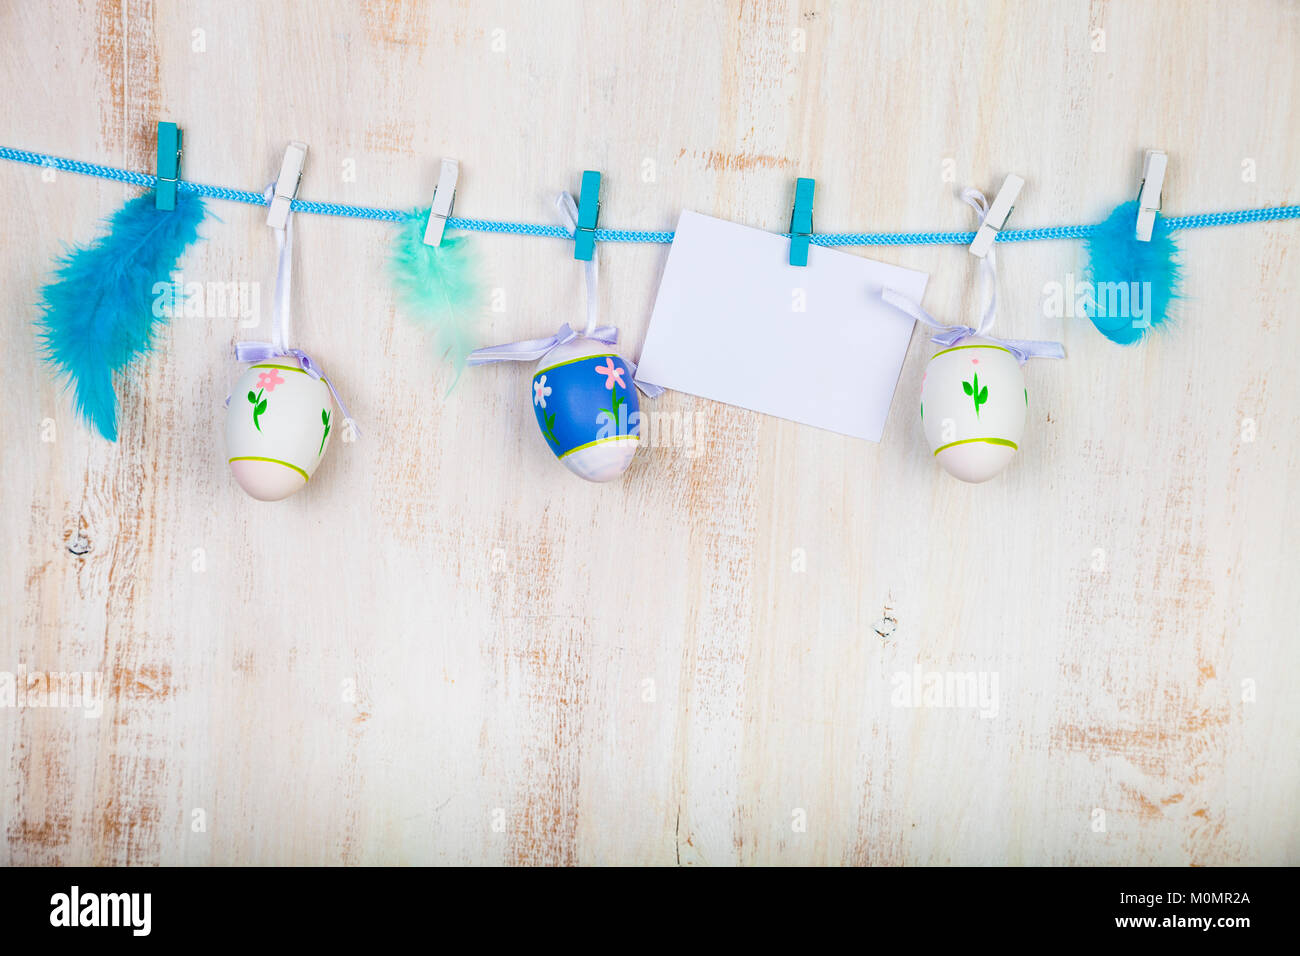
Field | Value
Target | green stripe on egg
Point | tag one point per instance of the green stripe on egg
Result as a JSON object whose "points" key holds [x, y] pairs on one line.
{"points": [[584, 358]]}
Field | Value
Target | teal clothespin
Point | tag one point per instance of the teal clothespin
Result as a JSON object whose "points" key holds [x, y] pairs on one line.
{"points": [[169, 165], [801, 222], [584, 236]]}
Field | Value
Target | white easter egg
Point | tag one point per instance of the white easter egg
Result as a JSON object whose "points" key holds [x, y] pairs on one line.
{"points": [[587, 409], [973, 402], [278, 426]]}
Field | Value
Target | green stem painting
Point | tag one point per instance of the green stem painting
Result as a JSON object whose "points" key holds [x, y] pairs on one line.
{"points": [[259, 406], [980, 395]]}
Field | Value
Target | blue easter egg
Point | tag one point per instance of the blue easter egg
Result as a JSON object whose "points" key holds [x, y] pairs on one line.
{"points": [[586, 407]]}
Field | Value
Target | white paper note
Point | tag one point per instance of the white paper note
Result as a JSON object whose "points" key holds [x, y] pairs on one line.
{"points": [[735, 322]]}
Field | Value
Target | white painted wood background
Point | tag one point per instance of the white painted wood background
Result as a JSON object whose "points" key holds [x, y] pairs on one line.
{"points": [[682, 666]]}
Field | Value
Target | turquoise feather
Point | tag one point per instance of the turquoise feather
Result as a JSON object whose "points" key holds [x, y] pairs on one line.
{"points": [[1120, 268], [101, 310], [437, 287]]}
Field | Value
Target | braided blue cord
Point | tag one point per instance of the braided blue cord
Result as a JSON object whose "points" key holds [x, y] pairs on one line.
{"points": [[1200, 221], [351, 212], [891, 238], [1205, 219], [516, 228], [632, 235]]}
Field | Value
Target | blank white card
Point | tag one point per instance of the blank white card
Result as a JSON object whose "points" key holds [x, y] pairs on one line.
{"points": [[735, 322]]}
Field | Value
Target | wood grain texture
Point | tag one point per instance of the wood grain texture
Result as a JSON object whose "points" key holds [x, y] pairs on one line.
{"points": [[448, 650]]}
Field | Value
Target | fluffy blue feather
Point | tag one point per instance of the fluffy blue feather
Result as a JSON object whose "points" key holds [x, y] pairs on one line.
{"points": [[99, 312], [1134, 283], [437, 287]]}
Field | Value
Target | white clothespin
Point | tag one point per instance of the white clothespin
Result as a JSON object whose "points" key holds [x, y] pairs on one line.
{"points": [[1151, 193], [998, 215], [444, 197], [286, 184]]}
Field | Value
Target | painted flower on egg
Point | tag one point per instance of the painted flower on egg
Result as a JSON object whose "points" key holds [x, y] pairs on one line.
{"points": [[611, 373], [269, 380], [540, 391]]}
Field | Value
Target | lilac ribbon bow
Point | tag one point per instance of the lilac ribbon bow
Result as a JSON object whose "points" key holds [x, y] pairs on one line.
{"points": [[1022, 349], [262, 351], [532, 350]]}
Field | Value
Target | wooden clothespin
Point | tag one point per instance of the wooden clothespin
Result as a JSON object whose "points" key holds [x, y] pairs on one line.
{"points": [[444, 198], [997, 217], [169, 165], [286, 185], [1151, 192], [801, 221]]}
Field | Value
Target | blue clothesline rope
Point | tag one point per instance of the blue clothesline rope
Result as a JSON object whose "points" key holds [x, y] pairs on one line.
{"points": [[148, 181]]}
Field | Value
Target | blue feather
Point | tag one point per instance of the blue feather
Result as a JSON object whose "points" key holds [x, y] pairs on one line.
{"points": [[101, 310], [1133, 282]]}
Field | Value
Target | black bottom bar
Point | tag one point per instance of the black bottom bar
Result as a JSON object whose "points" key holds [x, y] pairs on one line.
{"points": [[337, 906]]}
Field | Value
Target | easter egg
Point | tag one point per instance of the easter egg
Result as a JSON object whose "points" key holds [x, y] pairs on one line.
{"points": [[277, 429], [587, 409], [973, 402]]}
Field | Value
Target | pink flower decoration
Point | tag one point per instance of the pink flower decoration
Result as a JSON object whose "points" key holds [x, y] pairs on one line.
{"points": [[974, 361], [611, 373], [269, 380]]}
